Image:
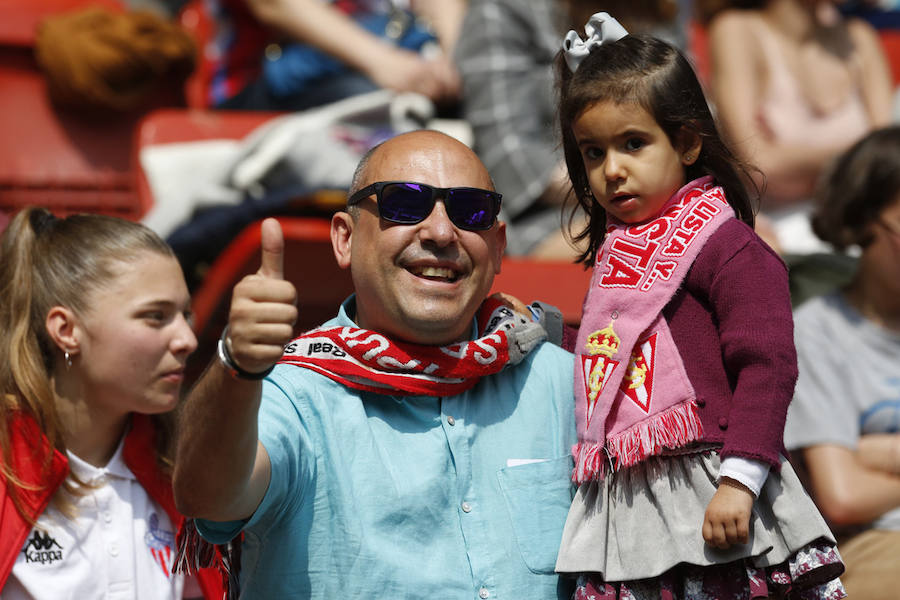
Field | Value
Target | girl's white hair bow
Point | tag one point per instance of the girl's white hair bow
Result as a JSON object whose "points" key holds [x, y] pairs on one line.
{"points": [[600, 28]]}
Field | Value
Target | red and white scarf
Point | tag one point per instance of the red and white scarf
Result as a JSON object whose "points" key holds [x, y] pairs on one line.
{"points": [[633, 398], [366, 360]]}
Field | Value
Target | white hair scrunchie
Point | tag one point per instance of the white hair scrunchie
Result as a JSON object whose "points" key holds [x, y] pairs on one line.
{"points": [[600, 28]]}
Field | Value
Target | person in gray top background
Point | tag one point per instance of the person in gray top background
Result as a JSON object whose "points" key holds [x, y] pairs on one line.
{"points": [[844, 421]]}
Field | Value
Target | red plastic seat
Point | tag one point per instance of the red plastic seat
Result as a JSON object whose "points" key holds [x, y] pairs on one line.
{"points": [[18, 26], [67, 161]]}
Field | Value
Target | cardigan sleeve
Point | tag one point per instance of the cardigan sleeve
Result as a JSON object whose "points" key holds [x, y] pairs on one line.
{"points": [[750, 299]]}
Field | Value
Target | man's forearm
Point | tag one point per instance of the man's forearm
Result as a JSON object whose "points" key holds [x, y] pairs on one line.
{"points": [[217, 448]]}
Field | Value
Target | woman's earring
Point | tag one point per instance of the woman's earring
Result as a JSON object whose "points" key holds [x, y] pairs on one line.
{"points": [[68, 361]]}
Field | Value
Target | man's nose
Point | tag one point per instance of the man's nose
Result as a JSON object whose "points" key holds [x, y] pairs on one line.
{"points": [[437, 226]]}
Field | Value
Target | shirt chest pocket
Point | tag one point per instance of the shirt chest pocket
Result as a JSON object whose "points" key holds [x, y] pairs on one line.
{"points": [[538, 496]]}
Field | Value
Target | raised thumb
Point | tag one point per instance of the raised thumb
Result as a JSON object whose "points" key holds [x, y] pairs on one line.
{"points": [[272, 255]]}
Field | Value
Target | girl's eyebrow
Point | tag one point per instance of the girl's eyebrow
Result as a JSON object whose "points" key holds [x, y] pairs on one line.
{"points": [[162, 303], [632, 131]]}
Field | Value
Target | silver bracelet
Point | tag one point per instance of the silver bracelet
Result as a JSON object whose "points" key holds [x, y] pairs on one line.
{"points": [[233, 369]]}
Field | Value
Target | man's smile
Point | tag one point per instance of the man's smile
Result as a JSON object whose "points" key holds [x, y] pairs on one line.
{"points": [[434, 273]]}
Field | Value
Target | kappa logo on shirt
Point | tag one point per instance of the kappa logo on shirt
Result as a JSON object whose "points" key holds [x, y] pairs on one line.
{"points": [[41, 548]]}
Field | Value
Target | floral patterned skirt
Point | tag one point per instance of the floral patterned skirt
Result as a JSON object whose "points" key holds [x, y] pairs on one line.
{"points": [[738, 580], [636, 535]]}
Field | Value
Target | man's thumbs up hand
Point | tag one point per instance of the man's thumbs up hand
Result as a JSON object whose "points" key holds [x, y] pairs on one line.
{"points": [[263, 307]]}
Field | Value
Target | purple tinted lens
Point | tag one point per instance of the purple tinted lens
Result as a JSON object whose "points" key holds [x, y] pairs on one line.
{"points": [[405, 202], [471, 209]]}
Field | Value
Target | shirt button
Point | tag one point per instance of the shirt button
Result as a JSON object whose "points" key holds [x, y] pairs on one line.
{"points": [[723, 423], [107, 516], [451, 421], [466, 507], [113, 549], [483, 593]]}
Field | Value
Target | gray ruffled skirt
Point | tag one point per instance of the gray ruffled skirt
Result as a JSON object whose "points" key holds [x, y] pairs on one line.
{"points": [[642, 522]]}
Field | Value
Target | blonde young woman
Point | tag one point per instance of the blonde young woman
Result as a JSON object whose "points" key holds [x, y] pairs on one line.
{"points": [[94, 335]]}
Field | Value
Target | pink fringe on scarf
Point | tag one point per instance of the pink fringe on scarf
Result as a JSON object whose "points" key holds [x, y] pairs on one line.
{"points": [[674, 428]]}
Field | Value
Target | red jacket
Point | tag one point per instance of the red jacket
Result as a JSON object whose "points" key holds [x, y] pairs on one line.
{"points": [[29, 447]]}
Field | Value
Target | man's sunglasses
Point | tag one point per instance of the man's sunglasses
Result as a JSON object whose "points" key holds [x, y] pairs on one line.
{"points": [[408, 202]]}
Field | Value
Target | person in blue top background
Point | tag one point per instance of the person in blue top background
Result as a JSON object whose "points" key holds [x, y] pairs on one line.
{"points": [[415, 446]]}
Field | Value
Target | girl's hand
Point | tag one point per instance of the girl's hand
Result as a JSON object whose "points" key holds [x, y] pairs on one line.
{"points": [[727, 518], [512, 303]]}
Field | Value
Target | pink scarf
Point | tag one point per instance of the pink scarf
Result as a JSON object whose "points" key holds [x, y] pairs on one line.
{"points": [[633, 397], [366, 360]]}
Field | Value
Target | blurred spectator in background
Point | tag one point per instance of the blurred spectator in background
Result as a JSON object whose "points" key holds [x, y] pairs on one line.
{"points": [[844, 421], [505, 55], [297, 54], [795, 84]]}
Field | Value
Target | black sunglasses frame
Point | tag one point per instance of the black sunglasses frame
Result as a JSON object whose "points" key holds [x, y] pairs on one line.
{"points": [[436, 192]]}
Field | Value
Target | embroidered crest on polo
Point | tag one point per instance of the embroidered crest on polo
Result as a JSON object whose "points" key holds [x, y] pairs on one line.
{"points": [[160, 542]]}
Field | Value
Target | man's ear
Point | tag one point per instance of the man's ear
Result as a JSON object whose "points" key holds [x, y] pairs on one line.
{"points": [[342, 237], [63, 329], [501, 246], [690, 143]]}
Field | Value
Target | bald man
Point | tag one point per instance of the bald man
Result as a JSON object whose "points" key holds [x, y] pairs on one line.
{"points": [[416, 445]]}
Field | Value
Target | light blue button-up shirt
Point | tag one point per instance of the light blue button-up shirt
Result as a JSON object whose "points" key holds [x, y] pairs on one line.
{"points": [[381, 496]]}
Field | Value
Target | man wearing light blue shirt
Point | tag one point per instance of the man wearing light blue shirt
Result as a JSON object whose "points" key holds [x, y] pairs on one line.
{"points": [[346, 484]]}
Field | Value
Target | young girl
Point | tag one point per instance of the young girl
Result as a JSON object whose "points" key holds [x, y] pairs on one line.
{"points": [[93, 340], [685, 363]]}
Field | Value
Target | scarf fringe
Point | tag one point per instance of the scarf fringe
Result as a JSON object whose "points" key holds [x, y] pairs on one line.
{"points": [[673, 428], [193, 553], [589, 462]]}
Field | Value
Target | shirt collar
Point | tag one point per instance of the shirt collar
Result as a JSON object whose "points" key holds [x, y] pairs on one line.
{"points": [[88, 473]]}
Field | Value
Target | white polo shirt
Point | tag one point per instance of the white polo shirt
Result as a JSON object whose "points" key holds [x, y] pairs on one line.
{"points": [[120, 545]]}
